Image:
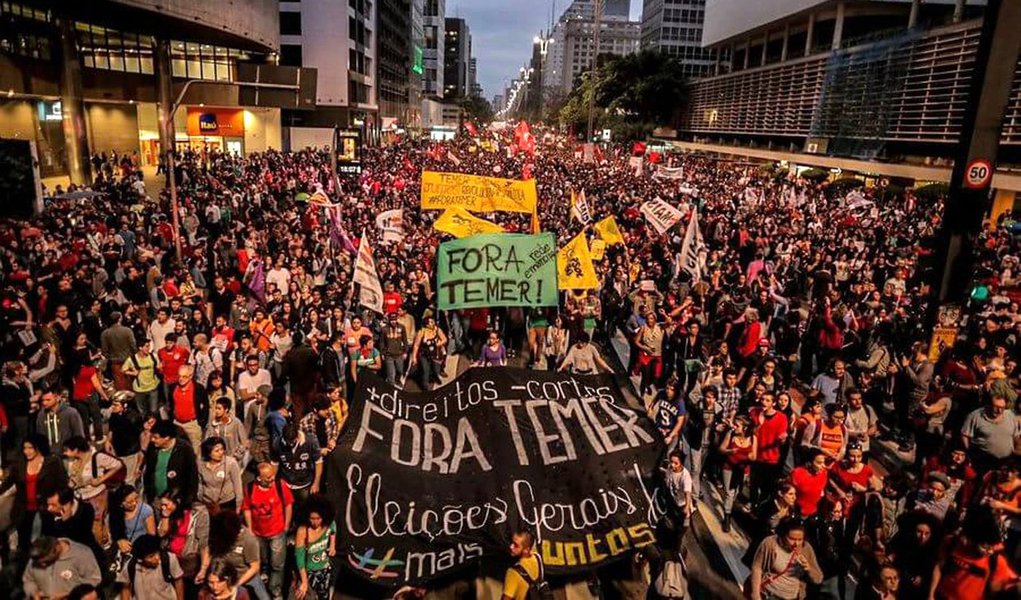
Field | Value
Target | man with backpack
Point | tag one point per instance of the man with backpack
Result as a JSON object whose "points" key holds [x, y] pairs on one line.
{"points": [[268, 509], [152, 573], [93, 473], [526, 580]]}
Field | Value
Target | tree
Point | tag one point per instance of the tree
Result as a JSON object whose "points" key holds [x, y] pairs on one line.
{"points": [[477, 109], [646, 87]]}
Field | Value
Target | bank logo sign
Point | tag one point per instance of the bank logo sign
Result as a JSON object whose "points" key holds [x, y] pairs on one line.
{"points": [[207, 122]]}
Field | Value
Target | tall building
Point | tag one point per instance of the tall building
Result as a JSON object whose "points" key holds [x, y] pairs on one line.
{"points": [[474, 87], [339, 39], [394, 60], [572, 50], [122, 63], [456, 59], [416, 80], [435, 28], [675, 27]]}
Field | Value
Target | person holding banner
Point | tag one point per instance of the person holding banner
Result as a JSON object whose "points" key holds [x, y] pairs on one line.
{"points": [[583, 358]]}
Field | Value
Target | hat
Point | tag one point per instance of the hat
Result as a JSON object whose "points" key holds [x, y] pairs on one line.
{"points": [[939, 477], [764, 343]]}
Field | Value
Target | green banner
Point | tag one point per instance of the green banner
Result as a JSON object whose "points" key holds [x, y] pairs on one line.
{"points": [[498, 269]]}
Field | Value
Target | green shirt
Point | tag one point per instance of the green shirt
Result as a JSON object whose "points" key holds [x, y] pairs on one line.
{"points": [[316, 556], [146, 380], [160, 475]]}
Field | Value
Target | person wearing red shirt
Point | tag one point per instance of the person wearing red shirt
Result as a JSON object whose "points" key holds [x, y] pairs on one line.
{"points": [[771, 428], [971, 564], [268, 508], [171, 357], [810, 482], [223, 336], [391, 298]]}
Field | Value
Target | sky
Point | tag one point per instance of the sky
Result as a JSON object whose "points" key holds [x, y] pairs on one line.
{"points": [[502, 32]]}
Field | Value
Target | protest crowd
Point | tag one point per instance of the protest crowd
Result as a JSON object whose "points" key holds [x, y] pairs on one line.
{"points": [[166, 424]]}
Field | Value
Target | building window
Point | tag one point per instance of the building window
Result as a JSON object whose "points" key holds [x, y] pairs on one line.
{"points": [[290, 55], [290, 23]]}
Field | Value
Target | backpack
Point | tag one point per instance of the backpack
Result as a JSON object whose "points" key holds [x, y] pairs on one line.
{"points": [[120, 475], [672, 581], [276, 483], [164, 567], [538, 589]]}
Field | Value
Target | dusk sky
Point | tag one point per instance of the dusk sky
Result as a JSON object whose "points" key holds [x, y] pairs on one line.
{"points": [[502, 32]]}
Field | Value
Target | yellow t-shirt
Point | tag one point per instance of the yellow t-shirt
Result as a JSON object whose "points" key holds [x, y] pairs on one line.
{"points": [[514, 585]]}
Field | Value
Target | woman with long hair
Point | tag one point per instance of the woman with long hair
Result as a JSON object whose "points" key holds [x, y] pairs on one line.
{"points": [[36, 476], [315, 543], [220, 485], [738, 449], [429, 352], [235, 545], [130, 518], [558, 342], [184, 530], [222, 583]]}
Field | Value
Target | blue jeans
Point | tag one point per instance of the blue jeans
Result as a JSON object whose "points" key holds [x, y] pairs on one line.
{"points": [[393, 367], [273, 552]]}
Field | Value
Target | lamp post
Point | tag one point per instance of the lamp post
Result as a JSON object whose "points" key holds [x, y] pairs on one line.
{"points": [[543, 42]]}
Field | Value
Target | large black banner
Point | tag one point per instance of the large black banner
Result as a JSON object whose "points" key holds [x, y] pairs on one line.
{"points": [[427, 483]]}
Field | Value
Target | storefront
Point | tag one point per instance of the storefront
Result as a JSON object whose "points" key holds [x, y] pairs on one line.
{"points": [[215, 130]]}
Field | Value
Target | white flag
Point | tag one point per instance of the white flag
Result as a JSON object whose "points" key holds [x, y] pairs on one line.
{"points": [[371, 294], [636, 163], [692, 257], [660, 215], [663, 172], [580, 209], [391, 225], [453, 157]]}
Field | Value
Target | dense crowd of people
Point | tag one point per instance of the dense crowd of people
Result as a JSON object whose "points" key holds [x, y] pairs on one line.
{"points": [[165, 423]]}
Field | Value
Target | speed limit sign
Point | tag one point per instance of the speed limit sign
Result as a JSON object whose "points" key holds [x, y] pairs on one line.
{"points": [[978, 174]]}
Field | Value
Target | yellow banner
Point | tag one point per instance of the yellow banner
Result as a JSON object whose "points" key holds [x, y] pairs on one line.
{"points": [[460, 223], [574, 266], [607, 229], [598, 249], [477, 194]]}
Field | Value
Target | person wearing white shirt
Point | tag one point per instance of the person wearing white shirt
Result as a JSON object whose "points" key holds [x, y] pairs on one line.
{"points": [[159, 328]]}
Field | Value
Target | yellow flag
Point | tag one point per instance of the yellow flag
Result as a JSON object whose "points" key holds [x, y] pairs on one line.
{"points": [[460, 223], [574, 266], [598, 249], [607, 229], [477, 193]]}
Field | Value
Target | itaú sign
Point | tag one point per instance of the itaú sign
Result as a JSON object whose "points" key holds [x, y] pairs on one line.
{"points": [[216, 121]]}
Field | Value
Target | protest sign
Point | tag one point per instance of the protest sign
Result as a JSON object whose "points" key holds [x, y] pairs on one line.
{"points": [[660, 215], [497, 269], [580, 208], [460, 223], [574, 266], [391, 225], [428, 483], [597, 249], [476, 193]]}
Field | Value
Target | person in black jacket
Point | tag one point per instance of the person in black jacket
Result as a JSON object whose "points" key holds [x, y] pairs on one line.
{"points": [[169, 464], [68, 517], [331, 362], [50, 478]]}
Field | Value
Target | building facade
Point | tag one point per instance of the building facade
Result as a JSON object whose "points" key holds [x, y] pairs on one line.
{"points": [[456, 59], [435, 28], [339, 39], [675, 27], [394, 61], [84, 78], [572, 49], [416, 79]]}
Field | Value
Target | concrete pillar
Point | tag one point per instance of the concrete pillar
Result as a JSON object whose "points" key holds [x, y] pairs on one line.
{"points": [[747, 51], [786, 42], [765, 46], [916, 6], [809, 34], [838, 27], [164, 92], [716, 63], [72, 106], [959, 10]]}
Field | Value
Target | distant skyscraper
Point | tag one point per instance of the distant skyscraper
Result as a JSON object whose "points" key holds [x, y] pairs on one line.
{"points": [[573, 51], [434, 24], [393, 64], [456, 59], [675, 27]]}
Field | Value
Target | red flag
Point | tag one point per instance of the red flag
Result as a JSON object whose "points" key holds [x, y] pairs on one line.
{"points": [[470, 128], [526, 172], [638, 149], [655, 158]]}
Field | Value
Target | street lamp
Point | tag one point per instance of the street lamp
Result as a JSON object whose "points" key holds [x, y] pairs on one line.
{"points": [[544, 43]]}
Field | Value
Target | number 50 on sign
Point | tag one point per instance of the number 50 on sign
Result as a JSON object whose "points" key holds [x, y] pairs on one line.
{"points": [[978, 174]]}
